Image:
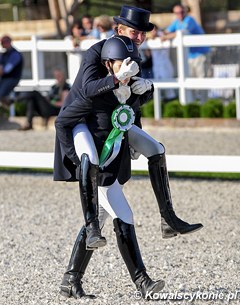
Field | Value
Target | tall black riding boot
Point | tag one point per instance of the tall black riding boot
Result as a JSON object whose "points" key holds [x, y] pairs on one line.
{"points": [[88, 185], [128, 246], [171, 225], [71, 283]]}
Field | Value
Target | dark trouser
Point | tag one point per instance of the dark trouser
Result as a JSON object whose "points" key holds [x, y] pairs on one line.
{"points": [[7, 85], [38, 104]]}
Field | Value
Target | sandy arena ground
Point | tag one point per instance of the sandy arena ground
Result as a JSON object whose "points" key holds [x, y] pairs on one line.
{"points": [[41, 218]]}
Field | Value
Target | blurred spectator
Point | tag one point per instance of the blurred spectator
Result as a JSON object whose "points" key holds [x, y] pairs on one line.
{"points": [[162, 65], [76, 31], [11, 66], [197, 56], [102, 27], [81, 29], [45, 106], [146, 63]]}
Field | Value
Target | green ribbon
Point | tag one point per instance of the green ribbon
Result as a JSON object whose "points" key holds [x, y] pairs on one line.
{"points": [[122, 120]]}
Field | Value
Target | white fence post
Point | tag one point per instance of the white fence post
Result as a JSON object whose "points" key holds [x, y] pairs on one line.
{"points": [[182, 61], [157, 104], [237, 96], [181, 67], [34, 56], [74, 59]]}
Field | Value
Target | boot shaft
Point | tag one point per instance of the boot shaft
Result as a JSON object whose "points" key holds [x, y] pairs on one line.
{"points": [[88, 188], [160, 181], [129, 249]]}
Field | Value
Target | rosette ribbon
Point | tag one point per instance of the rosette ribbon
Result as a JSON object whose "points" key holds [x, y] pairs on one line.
{"points": [[122, 120]]}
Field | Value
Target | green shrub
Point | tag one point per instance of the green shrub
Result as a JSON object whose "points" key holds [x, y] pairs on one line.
{"points": [[2, 112], [230, 110], [148, 109], [213, 108], [173, 109], [192, 110], [20, 108]]}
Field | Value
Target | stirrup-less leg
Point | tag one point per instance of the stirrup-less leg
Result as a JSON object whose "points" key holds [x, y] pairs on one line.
{"points": [[171, 224], [129, 249], [71, 283], [88, 186]]}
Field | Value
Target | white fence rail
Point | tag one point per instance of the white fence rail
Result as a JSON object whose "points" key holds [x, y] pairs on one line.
{"points": [[182, 82], [176, 163]]}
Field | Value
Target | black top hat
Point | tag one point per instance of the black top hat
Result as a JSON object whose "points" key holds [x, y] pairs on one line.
{"points": [[134, 17]]}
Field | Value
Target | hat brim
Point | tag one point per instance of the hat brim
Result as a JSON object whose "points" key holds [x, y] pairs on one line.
{"points": [[124, 21]]}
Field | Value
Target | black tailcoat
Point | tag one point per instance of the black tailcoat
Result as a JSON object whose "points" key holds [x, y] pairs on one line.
{"points": [[91, 100]]}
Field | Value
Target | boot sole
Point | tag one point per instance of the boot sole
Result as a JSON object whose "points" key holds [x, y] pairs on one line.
{"points": [[166, 236], [179, 233], [197, 229], [95, 245], [65, 294]]}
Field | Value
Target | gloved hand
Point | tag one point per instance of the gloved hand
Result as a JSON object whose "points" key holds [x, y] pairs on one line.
{"points": [[127, 70], [134, 154], [141, 85]]}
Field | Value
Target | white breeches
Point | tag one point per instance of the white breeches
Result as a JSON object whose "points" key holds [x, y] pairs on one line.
{"points": [[111, 198], [84, 144], [113, 202], [143, 143]]}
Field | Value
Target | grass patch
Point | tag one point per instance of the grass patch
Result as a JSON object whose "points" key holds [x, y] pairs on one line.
{"points": [[17, 170], [197, 175]]}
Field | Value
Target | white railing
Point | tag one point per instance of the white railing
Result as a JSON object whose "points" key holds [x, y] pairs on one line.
{"points": [[176, 163], [183, 83], [181, 43]]}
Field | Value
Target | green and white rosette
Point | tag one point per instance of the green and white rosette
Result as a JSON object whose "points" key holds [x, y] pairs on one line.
{"points": [[123, 118]]}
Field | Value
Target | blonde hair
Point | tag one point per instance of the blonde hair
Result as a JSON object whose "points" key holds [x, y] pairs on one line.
{"points": [[122, 26], [104, 21]]}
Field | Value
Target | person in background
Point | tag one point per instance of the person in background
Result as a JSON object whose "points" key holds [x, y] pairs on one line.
{"points": [[45, 106], [162, 65], [81, 29], [197, 56], [146, 63], [76, 33], [102, 27], [11, 66]]}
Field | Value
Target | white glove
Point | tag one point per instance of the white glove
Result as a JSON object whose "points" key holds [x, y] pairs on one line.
{"points": [[141, 85], [127, 69], [133, 153]]}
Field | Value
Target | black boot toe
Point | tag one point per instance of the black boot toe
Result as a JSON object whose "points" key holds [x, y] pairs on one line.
{"points": [[147, 286], [172, 226], [191, 228]]}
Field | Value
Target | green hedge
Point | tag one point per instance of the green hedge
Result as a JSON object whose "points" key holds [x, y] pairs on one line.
{"points": [[213, 108], [230, 110], [173, 109], [20, 108], [148, 109], [192, 110]]}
